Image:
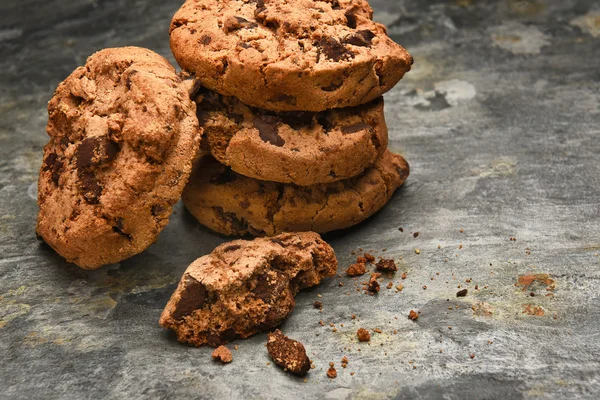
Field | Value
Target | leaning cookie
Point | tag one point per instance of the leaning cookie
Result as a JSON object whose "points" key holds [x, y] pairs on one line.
{"points": [[244, 287], [288, 55], [232, 204], [123, 135], [298, 147]]}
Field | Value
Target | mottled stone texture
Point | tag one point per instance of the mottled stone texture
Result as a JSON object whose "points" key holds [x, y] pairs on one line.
{"points": [[500, 121]]}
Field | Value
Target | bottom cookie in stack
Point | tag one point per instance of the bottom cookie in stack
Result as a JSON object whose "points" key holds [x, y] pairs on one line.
{"points": [[236, 205]]}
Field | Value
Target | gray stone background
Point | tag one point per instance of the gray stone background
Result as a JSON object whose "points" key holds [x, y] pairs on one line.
{"points": [[500, 122]]}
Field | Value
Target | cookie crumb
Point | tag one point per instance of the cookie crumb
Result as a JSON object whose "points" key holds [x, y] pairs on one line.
{"points": [[236, 347], [472, 355], [413, 315], [318, 304], [373, 284], [401, 229], [417, 251], [416, 235], [369, 257], [399, 287], [363, 335], [390, 285], [462, 293], [386, 265], [356, 269], [222, 354], [331, 372], [344, 362], [287, 353], [403, 275], [361, 260]]}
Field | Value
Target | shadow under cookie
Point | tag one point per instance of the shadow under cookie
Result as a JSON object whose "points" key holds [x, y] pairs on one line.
{"points": [[232, 204]]}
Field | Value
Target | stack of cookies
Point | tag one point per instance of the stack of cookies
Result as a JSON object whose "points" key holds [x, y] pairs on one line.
{"points": [[289, 97], [281, 99]]}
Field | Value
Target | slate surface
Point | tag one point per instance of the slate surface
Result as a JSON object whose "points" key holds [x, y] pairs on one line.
{"points": [[500, 121]]}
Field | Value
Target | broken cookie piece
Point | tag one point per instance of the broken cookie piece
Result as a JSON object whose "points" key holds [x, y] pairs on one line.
{"points": [[244, 287], [287, 353], [222, 354]]}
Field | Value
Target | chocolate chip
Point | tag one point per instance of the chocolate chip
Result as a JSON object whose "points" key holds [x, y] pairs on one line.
{"points": [[232, 247], [359, 126], [205, 40], [90, 189], [236, 23], [193, 297], [53, 164], [361, 38], [268, 130], [351, 18], [269, 286], [95, 151], [333, 49]]}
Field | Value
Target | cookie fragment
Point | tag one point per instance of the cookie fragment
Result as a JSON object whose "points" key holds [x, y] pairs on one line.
{"points": [[222, 354], [386, 265], [363, 335], [356, 269], [373, 285], [244, 287], [287, 353]]}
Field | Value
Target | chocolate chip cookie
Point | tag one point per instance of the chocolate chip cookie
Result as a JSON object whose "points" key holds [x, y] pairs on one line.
{"points": [[298, 147], [244, 287], [233, 204], [290, 55], [123, 135]]}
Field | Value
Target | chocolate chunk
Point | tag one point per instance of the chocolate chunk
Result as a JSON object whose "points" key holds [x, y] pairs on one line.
{"points": [[232, 247], [269, 286], [351, 18], [237, 23], [387, 265], [90, 189], [361, 38], [297, 119], [94, 151], [268, 130], [333, 50], [205, 40], [193, 297], [359, 126], [287, 353], [53, 164]]}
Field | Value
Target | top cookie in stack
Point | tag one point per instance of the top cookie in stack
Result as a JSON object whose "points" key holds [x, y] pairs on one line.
{"points": [[289, 94], [294, 55]]}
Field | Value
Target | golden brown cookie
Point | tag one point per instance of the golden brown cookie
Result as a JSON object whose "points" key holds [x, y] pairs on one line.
{"points": [[123, 135], [244, 287], [297, 147], [233, 204], [290, 55]]}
